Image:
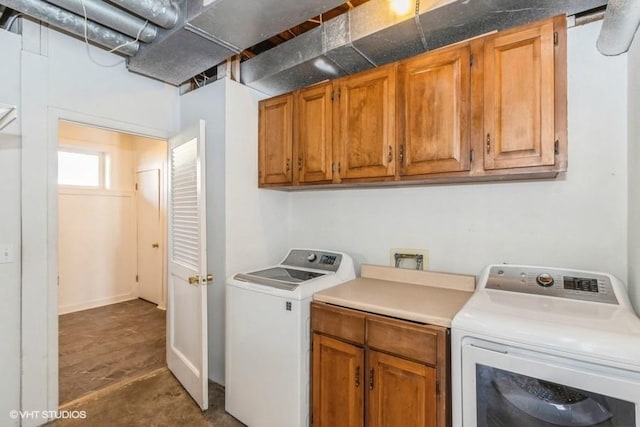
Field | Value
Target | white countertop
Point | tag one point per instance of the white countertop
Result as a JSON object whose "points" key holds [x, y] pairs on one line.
{"points": [[421, 296]]}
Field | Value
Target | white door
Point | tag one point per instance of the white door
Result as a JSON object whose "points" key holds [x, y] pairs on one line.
{"points": [[150, 251], [187, 291]]}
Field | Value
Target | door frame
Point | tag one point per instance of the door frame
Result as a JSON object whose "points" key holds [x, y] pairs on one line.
{"points": [[39, 281]]}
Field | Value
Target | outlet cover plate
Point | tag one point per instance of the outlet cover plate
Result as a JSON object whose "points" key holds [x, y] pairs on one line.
{"points": [[409, 263]]}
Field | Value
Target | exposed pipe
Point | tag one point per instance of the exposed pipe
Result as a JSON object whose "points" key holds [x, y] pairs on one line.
{"points": [[164, 13], [621, 21], [111, 17], [75, 24]]}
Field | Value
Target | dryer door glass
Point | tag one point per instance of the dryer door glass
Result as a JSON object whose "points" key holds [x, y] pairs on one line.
{"points": [[506, 398], [505, 386]]}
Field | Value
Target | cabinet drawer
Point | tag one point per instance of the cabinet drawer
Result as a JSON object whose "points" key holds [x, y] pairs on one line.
{"points": [[341, 323], [404, 339]]}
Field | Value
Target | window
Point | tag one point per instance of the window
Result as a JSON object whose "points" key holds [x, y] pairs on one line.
{"points": [[80, 168]]}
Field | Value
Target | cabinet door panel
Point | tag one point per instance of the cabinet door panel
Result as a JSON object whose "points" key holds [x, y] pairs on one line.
{"points": [[338, 383], [434, 112], [365, 115], [401, 393], [275, 142], [315, 134], [519, 98]]}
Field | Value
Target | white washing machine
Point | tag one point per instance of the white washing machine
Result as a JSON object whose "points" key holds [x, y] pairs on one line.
{"points": [[268, 336], [538, 346]]}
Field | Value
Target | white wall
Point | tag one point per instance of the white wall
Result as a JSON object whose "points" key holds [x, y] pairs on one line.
{"points": [[578, 220], [257, 221], [246, 227], [59, 81], [634, 173], [10, 231], [208, 103], [97, 244]]}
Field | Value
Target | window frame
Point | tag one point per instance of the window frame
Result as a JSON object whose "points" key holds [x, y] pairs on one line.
{"points": [[86, 151]]}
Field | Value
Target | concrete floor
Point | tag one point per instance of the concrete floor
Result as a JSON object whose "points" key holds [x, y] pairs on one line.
{"points": [[113, 368], [103, 346], [154, 400]]}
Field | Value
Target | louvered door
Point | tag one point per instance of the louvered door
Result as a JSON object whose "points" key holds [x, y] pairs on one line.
{"points": [[187, 296]]}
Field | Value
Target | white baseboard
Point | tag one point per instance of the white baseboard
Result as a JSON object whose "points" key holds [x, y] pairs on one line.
{"points": [[72, 308]]}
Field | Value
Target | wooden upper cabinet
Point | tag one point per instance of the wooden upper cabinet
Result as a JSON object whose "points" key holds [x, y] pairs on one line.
{"points": [[275, 140], [434, 112], [338, 383], [401, 392], [364, 121], [519, 97], [500, 98], [314, 147]]}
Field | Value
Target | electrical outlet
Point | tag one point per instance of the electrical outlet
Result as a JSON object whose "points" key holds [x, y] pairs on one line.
{"points": [[406, 258], [6, 253]]}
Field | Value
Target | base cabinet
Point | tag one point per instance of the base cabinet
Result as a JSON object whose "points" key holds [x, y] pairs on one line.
{"points": [[401, 392], [370, 370], [338, 400]]}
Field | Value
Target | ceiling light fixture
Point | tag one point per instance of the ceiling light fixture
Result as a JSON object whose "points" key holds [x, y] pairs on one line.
{"points": [[401, 7]]}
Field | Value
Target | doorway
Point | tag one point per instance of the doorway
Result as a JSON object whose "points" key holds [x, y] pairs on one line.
{"points": [[112, 252]]}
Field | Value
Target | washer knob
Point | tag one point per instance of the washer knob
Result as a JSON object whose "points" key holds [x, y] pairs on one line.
{"points": [[545, 280], [312, 257]]}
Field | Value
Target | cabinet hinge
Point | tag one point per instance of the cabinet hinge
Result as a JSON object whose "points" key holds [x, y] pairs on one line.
{"points": [[471, 156], [136, 186], [471, 60], [333, 95], [555, 38], [299, 163], [136, 278], [437, 386], [556, 147], [335, 167]]}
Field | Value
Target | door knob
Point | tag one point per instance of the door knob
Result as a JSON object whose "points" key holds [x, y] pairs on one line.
{"points": [[194, 280], [155, 245], [209, 277]]}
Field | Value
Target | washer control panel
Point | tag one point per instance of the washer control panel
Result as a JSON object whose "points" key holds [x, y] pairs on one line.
{"points": [[552, 282], [319, 260]]}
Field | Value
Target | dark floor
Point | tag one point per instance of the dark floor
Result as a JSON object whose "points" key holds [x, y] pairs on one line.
{"points": [[104, 346], [155, 400]]}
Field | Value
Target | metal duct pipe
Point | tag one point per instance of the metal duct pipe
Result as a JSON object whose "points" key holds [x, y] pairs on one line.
{"points": [[372, 35], [621, 21], [74, 24], [161, 12], [111, 17]]}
